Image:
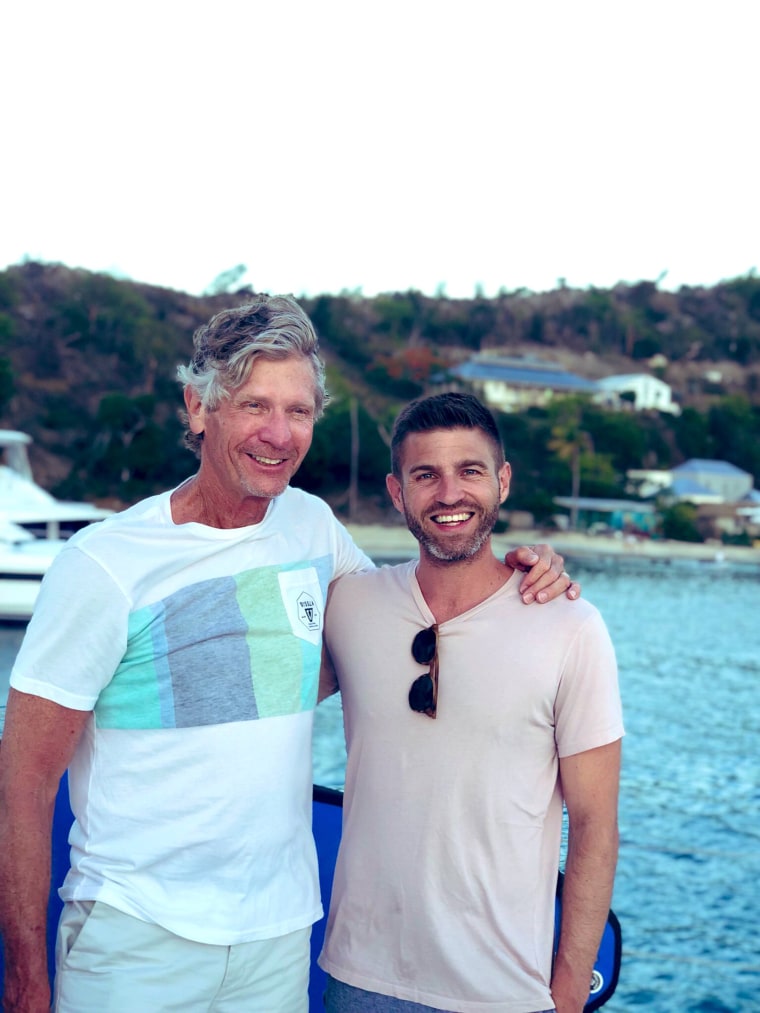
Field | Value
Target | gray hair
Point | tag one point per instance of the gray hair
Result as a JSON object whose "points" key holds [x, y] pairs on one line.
{"points": [[270, 327]]}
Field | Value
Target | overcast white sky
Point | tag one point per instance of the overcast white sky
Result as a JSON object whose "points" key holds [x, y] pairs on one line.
{"points": [[383, 145]]}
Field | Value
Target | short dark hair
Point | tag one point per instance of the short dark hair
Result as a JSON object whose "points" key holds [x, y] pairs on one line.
{"points": [[444, 411]]}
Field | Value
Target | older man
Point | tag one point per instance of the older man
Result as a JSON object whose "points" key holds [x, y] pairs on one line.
{"points": [[172, 666]]}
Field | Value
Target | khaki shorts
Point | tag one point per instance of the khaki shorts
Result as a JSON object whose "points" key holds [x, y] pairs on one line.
{"points": [[110, 962]]}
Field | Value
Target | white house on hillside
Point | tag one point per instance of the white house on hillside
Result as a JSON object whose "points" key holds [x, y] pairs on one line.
{"points": [[704, 481], [513, 384], [646, 483], [646, 392], [695, 481]]}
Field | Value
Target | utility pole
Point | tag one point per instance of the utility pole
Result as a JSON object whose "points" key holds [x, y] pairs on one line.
{"points": [[353, 488]]}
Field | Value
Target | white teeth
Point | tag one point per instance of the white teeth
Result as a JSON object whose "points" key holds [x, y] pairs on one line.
{"points": [[268, 460], [451, 518]]}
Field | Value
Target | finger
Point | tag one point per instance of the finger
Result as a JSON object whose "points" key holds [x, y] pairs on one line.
{"points": [[522, 558], [563, 585], [543, 591], [547, 568]]}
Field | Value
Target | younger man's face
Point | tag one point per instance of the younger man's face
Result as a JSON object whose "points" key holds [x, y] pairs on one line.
{"points": [[450, 490]]}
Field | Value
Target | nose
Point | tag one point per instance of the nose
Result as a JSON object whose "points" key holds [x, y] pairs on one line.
{"points": [[449, 489], [276, 429]]}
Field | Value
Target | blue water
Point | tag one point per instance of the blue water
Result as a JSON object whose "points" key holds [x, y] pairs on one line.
{"points": [[688, 884]]}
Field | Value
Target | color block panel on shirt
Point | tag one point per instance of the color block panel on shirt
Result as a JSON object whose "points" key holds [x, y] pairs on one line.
{"points": [[136, 697], [284, 665], [218, 651]]}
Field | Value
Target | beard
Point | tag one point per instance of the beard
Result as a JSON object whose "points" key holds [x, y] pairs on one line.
{"points": [[454, 549]]}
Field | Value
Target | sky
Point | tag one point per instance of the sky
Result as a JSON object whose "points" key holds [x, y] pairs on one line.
{"points": [[447, 147]]}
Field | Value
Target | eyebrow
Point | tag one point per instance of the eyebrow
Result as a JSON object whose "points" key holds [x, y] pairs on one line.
{"points": [[265, 399], [468, 463]]}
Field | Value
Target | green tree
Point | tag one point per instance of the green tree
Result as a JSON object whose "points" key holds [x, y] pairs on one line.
{"points": [[339, 330], [124, 452], [619, 435], [570, 442], [734, 426], [327, 468], [7, 383], [692, 434], [7, 330], [679, 521], [103, 316], [8, 291], [396, 315], [227, 281]]}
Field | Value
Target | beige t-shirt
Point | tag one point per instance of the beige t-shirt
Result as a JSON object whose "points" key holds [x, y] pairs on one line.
{"points": [[445, 880]]}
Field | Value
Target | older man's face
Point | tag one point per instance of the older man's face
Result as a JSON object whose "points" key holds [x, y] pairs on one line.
{"points": [[254, 442]]}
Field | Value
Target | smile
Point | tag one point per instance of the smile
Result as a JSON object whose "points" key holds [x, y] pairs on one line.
{"points": [[457, 518], [267, 460]]}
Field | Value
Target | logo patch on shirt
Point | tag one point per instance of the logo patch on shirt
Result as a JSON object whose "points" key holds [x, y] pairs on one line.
{"points": [[304, 603], [308, 612]]}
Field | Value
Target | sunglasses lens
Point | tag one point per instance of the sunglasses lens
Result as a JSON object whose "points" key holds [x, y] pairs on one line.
{"points": [[421, 693], [423, 646]]}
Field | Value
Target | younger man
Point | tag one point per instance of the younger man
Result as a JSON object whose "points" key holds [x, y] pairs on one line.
{"points": [[469, 719]]}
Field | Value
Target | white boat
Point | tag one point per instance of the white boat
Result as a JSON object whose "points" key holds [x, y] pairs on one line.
{"points": [[23, 564], [25, 503], [33, 527]]}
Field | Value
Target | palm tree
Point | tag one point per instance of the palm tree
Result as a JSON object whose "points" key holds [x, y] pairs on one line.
{"points": [[570, 441]]}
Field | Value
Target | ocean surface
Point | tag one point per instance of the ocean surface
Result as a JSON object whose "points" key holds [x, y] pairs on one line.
{"points": [[688, 885]]}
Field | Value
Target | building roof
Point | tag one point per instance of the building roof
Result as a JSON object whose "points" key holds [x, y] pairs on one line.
{"points": [[698, 464], [528, 375], [634, 506], [684, 487]]}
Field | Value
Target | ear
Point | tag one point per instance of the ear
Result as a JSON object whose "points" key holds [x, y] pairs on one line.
{"points": [[393, 486], [196, 413], [505, 477]]}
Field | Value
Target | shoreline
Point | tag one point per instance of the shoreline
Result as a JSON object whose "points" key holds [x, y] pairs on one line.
{"points": [[394, 543]]}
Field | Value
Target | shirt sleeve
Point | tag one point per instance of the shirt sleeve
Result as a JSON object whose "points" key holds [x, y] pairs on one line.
{"points": [[349, 558], [76, 636], [588, 710]]}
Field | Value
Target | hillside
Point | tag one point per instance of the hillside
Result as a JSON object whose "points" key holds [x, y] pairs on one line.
{"points": [[87, 366]]}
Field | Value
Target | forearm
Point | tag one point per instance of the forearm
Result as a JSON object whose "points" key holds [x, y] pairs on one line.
{"points": [[24, 890], [586, 898], [38, 742]]}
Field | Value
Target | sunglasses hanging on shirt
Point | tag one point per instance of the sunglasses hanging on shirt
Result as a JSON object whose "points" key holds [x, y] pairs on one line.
{"points": [[423, 694]]}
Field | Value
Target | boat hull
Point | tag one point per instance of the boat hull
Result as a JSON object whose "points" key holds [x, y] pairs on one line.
{"points": [[17, 597], [22, 567]]}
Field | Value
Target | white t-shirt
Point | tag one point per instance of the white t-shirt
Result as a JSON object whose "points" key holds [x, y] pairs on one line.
{"points": [[444, 886], [197, 649]]}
